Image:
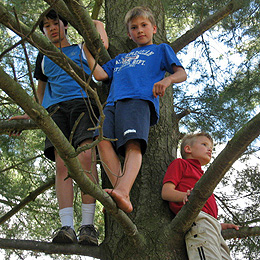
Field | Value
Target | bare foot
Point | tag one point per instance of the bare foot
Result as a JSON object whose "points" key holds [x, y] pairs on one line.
{"points": [[122, 202]]}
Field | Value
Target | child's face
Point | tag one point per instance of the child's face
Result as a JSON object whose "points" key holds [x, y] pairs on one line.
{"points": [[141, 31], [54, 30], [201, 149]]}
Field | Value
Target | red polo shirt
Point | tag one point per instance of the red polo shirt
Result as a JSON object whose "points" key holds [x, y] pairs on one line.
{"points": [[184, 174]]}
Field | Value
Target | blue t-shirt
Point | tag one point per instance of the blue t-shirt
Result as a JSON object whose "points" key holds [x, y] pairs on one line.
{"points": [[134, 74], [60, 86]]}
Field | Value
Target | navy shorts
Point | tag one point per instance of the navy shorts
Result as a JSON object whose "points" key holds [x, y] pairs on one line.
{"points": [[65, 114], [128, 119]]}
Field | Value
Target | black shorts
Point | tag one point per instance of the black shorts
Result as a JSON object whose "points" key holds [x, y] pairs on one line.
{"points": [[65, 114], [128, 119]]}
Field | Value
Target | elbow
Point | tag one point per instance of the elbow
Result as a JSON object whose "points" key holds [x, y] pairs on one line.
{"points": [[98, 77], [163, 194], [185, 76]]}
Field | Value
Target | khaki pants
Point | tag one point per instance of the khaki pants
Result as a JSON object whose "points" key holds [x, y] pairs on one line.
{"points": [[204, 240]]}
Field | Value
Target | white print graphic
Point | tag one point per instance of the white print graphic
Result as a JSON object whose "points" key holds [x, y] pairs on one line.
{"points": [[142, 52], [132, 59], [129, 131]]}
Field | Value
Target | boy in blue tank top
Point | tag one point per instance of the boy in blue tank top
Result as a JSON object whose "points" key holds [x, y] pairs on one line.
{"points": [[65, 100], [133, 103]]}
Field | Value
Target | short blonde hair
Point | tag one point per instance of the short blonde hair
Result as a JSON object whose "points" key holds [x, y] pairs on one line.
{"points": [[139, 11], [189, 139]]}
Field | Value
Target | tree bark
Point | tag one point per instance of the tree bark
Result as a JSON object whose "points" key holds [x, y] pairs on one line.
{"points": [[205, 25], [7, 127], [150, 213]]}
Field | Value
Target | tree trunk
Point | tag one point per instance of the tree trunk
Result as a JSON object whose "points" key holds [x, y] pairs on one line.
{"points": [[151, 214], [116, 29]]}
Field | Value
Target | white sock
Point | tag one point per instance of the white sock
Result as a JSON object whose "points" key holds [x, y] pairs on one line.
{"points": [[66, 217], [88, 213]]}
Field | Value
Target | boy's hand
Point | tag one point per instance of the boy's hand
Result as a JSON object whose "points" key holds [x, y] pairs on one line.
{"points": [[160, 87], [14, 132], [185, 199], [25, 116], [178, 76], [228, 226]]}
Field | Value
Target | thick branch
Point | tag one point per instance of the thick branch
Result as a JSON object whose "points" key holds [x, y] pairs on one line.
{"points": [[50, 248], [96, 9], [79, 18], [183, 114], [89, 32], [32, 196], [47, 48], [241, 233], [17, 125], [205, 25]]}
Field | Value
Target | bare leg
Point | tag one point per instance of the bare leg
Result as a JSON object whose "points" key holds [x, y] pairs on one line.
{"points": [[133, 161], [110, 161], [64, 188], [90, 168]]}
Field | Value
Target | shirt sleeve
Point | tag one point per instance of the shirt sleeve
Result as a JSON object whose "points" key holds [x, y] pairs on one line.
{"points": [[174, 172], [38, 74], [109, 68], [169, 58]]}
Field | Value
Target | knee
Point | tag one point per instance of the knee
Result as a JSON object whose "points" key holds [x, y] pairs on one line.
{"points": [[133, 145], [60, 165], [104, 146], [86, 157]]}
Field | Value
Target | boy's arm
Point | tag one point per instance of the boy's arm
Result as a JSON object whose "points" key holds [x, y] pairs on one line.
{"points": [[98, 73], [40, 90], [169, 193], [102, 32], [228, 226], [178, 76]]}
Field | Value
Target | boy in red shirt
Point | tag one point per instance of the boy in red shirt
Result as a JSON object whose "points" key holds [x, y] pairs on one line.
{"points": [[204, 239]]}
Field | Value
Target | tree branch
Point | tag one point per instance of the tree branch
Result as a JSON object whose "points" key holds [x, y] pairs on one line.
{"points": [[50, 248], [205, 25], [241, 233], [22, 162], [32, 196], [234, 217], [183, 114], [96, 9], [252, 221], [7, 127], [27, 62], [79, 18], [48, 49]]}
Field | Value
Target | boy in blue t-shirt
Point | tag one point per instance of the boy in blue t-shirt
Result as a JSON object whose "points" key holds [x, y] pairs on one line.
{"points": [[65, 100], [133, 103]]}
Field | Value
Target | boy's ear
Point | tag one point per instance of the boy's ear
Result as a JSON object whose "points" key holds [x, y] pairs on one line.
{"points": [[187, 149], [154, 29]]}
